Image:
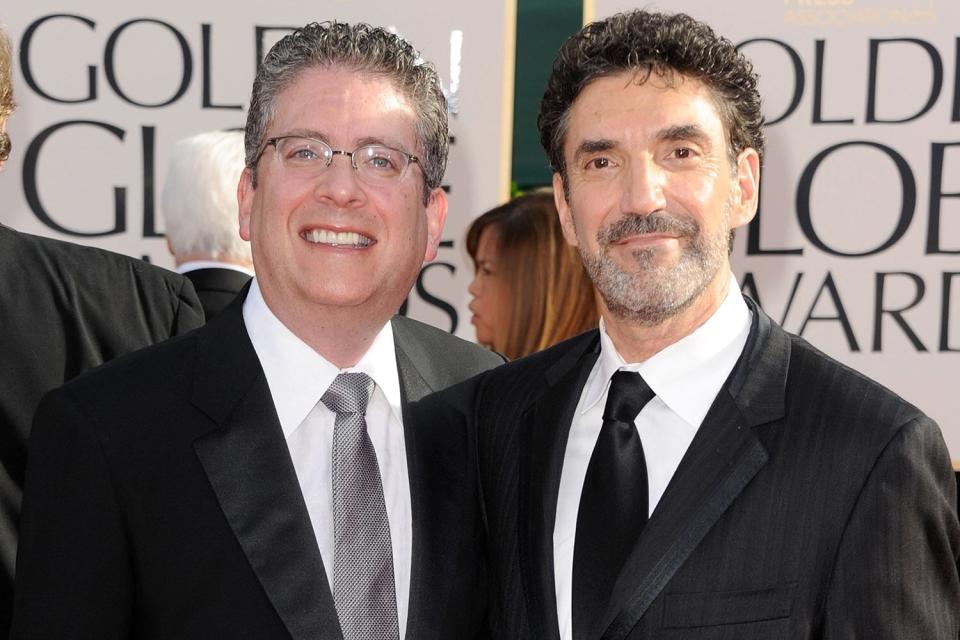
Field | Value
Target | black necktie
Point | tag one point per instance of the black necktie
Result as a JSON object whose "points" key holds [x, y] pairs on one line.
{"points": [[613, 504]]}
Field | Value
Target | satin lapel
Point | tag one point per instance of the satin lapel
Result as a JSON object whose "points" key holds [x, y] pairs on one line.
{"points": [[721, 461], [546, 426], [248, 464]]}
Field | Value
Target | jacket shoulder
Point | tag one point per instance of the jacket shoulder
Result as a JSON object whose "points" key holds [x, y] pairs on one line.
{"points": [[425, 343], [81, 259]]}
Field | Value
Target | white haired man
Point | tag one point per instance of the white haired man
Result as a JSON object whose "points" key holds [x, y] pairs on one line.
{"points": [[199, 204]]}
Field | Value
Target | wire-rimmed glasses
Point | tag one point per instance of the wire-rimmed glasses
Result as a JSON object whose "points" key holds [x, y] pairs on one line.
{"points": [[375, 164]]}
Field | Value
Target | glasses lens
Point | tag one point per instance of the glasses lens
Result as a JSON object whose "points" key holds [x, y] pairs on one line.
{"points": [[5, 146], [304, 153], [380, 164]]}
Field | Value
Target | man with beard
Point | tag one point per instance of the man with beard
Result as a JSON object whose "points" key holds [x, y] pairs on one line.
{"points": [[691, 470]]}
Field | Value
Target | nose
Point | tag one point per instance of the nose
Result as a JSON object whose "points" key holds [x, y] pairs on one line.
{"points": [[474, 288], [338, 183], [642, 191]]}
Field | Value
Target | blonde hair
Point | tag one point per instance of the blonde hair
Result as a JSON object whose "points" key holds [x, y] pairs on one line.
{"points": [[7, 103], [550, 293]]}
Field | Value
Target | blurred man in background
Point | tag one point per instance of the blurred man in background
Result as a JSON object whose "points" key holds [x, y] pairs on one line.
{"points": [[199, 204]]}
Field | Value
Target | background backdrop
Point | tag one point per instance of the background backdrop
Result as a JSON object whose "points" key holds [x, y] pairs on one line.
{"points": [[856, 245], [106, 88]]}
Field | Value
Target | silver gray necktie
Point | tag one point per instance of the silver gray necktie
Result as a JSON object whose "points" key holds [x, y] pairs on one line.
{"points": [[363, 582]]}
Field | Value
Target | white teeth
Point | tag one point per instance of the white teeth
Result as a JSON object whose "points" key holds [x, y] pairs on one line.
{"points": [[337, 238]]}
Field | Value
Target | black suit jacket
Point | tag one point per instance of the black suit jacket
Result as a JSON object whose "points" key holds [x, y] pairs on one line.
{"points": [[216, 288], [164, 503], [812, 503], [65, 308]]}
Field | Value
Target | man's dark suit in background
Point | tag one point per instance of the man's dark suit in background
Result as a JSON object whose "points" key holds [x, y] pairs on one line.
{"points": [[185, 512], [216, 287], [65, 308]]}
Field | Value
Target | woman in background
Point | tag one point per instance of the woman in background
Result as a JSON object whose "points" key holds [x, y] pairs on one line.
{"points": [[529, 290]]}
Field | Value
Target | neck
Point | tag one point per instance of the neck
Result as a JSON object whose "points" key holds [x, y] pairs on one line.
{"points": [[342, 335], [638, 342]]}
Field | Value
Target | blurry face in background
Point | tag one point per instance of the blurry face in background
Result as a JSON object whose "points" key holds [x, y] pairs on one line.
{"points": [[490, 306]]}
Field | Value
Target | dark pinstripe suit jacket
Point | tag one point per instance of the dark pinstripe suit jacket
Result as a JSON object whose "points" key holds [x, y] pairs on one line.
{"points": [[812, 503]]}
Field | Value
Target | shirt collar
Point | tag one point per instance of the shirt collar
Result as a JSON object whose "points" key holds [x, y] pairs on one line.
{"points": [[686, 375], [195, 265], [298, 376]]}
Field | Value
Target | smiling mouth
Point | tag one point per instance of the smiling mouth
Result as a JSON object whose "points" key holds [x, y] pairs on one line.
{"points": [[337, 238]]}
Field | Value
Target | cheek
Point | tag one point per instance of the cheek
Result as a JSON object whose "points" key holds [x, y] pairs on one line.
{"points": [[501, 307]]}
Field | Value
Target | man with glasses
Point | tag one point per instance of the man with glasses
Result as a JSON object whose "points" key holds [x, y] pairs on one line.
{"points": [[64, 308], [287, 471]]}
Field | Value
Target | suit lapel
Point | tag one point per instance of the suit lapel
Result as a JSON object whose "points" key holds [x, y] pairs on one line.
{"points": [[546, 426], [721, 461], [249, 467]]}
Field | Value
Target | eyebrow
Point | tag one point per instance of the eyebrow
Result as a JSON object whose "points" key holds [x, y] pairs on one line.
{"points": [[362, 142], [305, 133], [692, 132], [593, 146]]}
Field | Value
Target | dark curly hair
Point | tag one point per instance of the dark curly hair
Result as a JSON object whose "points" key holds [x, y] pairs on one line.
{"points": [[648, 43], [365, 49]]}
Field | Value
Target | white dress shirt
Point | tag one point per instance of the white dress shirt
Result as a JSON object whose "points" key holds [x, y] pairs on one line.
{"points": [[196, 265], [686, 376], [298, 377]]}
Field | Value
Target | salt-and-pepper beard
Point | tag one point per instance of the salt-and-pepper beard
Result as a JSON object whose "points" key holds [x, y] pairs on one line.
{"points": [[654, 291]]}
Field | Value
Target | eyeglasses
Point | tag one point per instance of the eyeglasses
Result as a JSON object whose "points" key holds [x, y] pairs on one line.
{"points": [[5, 146], [375, 164]]}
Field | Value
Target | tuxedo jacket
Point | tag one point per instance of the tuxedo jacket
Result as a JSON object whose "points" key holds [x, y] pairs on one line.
{"points": [[163, 502], [812, 503], [216, 288], [65, 308]]}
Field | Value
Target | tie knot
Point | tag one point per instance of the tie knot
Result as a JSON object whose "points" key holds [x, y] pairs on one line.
{"points": [[627, 396], [349, 393]]}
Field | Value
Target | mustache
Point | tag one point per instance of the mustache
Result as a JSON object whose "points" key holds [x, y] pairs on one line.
{"points": [[656, 222]]}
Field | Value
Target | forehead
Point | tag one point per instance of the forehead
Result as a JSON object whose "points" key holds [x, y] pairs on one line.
{"points": [[623, 109], [344, 106]]}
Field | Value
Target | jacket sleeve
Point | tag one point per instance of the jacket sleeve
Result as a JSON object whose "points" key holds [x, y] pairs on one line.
{"points": [[896, 569], [73, 575]]}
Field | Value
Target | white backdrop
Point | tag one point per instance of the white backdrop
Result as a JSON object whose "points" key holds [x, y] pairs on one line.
{"points": [[856, 247], [106, 88]]}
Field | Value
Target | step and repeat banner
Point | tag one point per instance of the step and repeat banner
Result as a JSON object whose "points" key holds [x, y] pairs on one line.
{"points": [[857, 243], [106, 88]]}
